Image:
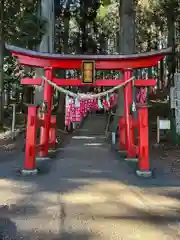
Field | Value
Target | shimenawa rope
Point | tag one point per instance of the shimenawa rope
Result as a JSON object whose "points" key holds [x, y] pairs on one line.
{"points": [[88, 95]]}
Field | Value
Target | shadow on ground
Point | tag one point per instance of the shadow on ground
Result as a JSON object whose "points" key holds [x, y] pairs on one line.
{"points": [[8, 231], [74, 170]]}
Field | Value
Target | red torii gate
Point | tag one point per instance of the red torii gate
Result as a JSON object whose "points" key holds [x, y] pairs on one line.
{"points": [[123, 63]]}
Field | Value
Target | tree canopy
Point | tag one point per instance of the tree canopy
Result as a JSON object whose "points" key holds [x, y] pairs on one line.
{"points": [[93, 26]]}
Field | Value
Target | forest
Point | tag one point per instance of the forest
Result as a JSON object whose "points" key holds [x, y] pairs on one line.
{"points": [[79, 27]]}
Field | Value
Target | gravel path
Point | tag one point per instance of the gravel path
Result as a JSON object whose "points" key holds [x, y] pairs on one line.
{"points": [[87, 193]]}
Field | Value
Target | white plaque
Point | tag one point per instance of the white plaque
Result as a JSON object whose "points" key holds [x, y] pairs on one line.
{"points": [[164, 124]]}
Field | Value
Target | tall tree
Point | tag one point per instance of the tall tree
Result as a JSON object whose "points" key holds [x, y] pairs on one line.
{"points": [[127, 45], [46, 11], [1, 60], [167, 11]]}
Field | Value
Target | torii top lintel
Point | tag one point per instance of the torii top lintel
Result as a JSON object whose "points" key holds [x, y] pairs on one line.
{"points": [[70, 61]]}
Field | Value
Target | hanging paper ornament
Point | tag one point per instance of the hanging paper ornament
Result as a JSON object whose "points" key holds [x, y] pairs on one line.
{"points": [[95, 104], [76, 113], [67, 99], [105, 103], [86, 106], [133, 107], [89, 104], [141, 96], [67, 112], [107, 100], [77, 102], [72, 108], [100, 106]]}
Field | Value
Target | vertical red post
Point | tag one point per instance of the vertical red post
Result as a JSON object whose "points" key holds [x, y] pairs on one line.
{"points": [[30, 151], [48, 93], [143, 163], [52, 132], [128, 122], [122, 133]]}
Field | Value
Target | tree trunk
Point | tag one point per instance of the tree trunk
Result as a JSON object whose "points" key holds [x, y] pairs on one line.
{"points": [[171, 62], [61, 97], [127, 46], [1, 61], [83, 26], [46, 11], [127, 27]]}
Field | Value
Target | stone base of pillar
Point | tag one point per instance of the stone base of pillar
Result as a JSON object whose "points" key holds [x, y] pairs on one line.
{"points": [[142, 173]]}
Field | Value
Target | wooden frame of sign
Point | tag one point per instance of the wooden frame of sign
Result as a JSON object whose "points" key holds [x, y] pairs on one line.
{"points": [[88, 66], [162, 124]]}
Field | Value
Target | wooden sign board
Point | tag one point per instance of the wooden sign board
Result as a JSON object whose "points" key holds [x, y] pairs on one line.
{"points": [[88, 72]]}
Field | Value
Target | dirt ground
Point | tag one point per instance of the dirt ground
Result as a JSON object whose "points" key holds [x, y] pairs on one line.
{"points": [[88, 193]]}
